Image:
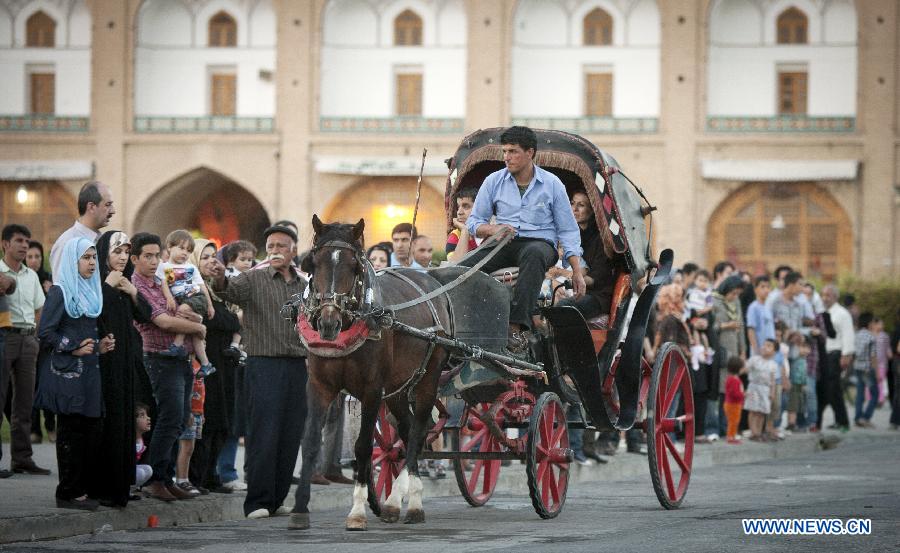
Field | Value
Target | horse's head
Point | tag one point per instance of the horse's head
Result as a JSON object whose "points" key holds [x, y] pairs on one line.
{"points": [[337, 267]]}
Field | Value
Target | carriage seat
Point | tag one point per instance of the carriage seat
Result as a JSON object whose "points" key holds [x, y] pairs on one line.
{"points": [[601, 325]]}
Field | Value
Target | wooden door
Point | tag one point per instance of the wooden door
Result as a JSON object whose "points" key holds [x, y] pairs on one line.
{"points": [[801, 225], [224, 95], [43, 93], [598, 94]]}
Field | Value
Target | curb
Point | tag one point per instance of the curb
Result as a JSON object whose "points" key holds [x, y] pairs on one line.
{"points": [[218, 508]]}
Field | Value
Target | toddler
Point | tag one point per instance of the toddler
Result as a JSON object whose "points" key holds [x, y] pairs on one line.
{"points": [[239, 257], [185, 292], [193, 432], [734, 398], [761, 390], [699, 298], [797, 393], [141, 427]]}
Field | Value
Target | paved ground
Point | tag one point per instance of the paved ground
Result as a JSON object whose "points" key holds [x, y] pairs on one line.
{"points": [[859, 481]]}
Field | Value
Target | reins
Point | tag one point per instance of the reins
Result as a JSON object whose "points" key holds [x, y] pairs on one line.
{"points": [[458, 280]]}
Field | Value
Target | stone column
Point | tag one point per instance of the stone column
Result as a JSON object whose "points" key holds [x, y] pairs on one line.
{"points": [[297, 78], [489, 44], [110, 95], [876, 114], [681, 57]]}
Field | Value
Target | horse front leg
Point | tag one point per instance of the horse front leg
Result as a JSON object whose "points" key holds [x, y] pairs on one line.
{"points": [[356, 519], [318, 403]]}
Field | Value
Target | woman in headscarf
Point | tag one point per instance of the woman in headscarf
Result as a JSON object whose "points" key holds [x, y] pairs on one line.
{"points": [[218, 411], [122, 304], [728, 329], [70, 373]]}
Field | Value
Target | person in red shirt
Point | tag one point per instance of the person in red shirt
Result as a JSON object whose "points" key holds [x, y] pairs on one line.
{"points": [[734, 398]]}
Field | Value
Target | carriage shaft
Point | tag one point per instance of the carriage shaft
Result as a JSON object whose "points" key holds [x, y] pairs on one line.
{"points": [[474, 352]]}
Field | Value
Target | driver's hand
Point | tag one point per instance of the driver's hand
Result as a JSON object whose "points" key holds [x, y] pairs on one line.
{"points": [[578, 285]]}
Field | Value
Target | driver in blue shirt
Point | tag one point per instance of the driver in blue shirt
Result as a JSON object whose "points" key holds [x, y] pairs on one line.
{"points": [[532, 205]]}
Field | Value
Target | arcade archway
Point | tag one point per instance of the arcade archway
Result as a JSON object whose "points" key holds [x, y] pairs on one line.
{"points": [[207, 202], [386, 201]]}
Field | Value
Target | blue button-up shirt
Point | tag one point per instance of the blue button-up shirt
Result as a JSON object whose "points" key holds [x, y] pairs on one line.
{"points": [[542, 212]]}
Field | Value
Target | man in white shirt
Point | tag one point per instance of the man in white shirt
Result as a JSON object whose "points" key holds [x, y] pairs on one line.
{"points": [[839, 350], [95, 209]]}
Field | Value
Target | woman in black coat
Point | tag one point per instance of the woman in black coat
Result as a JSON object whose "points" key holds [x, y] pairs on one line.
{"points": [[218, 410], [70, 383], [122, 304]]}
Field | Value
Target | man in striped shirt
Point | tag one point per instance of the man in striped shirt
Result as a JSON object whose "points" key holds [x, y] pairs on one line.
{"points": [[275, 380]]}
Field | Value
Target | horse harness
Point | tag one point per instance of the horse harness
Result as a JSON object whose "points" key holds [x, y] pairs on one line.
{"points": [[358, 304]]}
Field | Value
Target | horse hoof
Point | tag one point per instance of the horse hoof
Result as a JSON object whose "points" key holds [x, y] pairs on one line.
{"points": [[414, 517], [390, 514], [299, 521], [356, 524]]}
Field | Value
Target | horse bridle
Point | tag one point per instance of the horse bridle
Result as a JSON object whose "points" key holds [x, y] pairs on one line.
{"points": [[348, 304]]}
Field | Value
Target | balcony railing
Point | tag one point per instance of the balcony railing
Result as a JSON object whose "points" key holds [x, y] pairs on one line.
{"points": [[43, 123], [780, 123], [399, 124], [207, 124], [592, 125]]}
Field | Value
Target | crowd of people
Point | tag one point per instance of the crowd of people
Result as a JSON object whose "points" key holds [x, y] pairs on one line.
{"points": [[151, 358]]}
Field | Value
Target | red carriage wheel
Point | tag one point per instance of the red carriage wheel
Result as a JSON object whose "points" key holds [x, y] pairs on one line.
{"points": [[388, 458], [548, 456], [670, 462], [477, 485]]}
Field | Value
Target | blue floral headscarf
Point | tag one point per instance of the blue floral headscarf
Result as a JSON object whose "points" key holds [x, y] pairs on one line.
{"points": [[83, 296]]}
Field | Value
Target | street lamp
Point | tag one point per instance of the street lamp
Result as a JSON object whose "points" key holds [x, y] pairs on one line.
{"points": [[21, 194], [777, 222]]}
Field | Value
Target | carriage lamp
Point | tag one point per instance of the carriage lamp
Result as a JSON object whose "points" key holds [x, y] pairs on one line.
{"points": [[22, 194]]}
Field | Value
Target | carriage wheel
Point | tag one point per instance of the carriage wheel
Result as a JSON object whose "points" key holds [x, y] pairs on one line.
{"points": [[548, 456], [670, 463], [388, 455], [478, 485]]}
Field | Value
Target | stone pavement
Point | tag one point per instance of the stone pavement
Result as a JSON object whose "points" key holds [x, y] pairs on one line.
{"points": [[28, 512]]}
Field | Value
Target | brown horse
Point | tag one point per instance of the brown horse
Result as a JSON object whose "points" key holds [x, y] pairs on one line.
{"points": [[346, 354]]}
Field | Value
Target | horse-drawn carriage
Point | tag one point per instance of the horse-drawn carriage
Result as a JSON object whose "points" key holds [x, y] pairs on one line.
{"points": [[576, 374]]}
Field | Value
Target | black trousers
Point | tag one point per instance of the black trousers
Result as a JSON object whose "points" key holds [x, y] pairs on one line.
{"points": [[77, 450], [206, 453], [276, 407], [828, 389], [533, 257]]}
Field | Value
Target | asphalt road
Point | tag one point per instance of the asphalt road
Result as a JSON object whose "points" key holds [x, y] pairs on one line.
{"points": [[623, 516]]}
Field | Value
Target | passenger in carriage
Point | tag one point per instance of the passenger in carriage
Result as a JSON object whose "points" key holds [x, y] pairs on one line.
{"points": [[530, 204], [600, 273], [459, 241]]}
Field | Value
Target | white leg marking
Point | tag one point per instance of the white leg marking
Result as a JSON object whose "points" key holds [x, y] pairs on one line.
{"points": [[398, 492], [360, 494], [415, 493]]}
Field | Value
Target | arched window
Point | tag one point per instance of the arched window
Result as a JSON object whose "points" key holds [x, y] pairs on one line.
{"points": [[40, 31], [792, 27], [222, 30], [598, 28], [408, 29]]}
